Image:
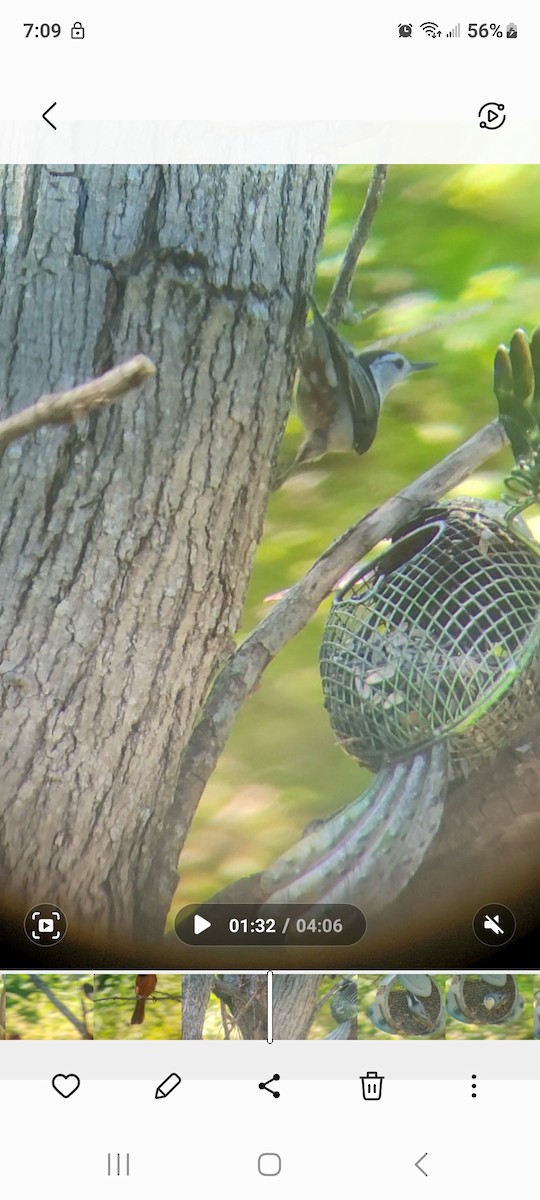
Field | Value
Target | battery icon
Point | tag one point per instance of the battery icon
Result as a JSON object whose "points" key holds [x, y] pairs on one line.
{"points": [[511, 30]]}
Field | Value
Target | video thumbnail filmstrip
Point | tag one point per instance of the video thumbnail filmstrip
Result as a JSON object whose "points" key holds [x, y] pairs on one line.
{"points": [[232, 1007]]}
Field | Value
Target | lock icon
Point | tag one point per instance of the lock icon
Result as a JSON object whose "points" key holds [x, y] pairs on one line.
{"points": [[77, 30]]}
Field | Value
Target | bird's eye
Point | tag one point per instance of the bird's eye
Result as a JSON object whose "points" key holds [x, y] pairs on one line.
{"points": [[400, 363]]}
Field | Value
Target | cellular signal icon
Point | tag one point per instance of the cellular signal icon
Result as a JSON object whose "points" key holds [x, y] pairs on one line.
{"points": [[431, 28], [454, 32]]}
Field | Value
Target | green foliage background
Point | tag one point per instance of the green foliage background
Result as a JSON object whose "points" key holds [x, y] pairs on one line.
{"points": [[30, 1015], [447, 239]]}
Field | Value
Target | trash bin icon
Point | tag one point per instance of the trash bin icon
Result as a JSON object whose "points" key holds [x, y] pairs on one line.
{"points": [[372, 1085]]}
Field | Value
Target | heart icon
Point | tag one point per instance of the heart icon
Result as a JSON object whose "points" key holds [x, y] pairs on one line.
{"points": [[66, 1085]]}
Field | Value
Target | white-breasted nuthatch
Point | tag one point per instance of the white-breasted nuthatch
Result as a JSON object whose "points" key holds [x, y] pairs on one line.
{"points": [[417, 1009], [493, 999], [340, 393]]}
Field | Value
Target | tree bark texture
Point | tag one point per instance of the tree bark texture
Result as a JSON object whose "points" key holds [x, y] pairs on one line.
{"points": [[195, 996], [126, 541], [295, 997]]}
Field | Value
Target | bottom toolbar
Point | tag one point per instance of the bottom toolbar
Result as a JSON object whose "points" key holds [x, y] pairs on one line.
{"points": [[225, 1136]]}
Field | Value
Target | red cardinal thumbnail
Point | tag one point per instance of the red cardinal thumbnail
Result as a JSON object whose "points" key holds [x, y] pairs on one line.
{"points": [[144, 986]]}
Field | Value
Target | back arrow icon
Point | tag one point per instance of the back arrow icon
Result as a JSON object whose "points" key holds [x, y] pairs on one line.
{"points": [[45, 117], [417, 1164]]}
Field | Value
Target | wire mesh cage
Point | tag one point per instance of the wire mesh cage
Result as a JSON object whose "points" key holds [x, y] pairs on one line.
{"points": [[408, 1005], [438, 637], [484, 999]]}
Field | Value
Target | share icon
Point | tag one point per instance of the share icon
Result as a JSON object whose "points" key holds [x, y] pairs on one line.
{"points": [[264, 1087]]}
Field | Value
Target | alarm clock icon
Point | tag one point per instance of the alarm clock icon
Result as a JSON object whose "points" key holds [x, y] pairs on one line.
{"points": [[405, 30]]}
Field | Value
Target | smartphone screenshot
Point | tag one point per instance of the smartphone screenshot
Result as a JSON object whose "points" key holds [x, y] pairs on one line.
{"points": [[270, 598]]}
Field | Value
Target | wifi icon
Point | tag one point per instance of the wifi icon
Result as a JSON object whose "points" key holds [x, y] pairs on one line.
{"points": [[431, 28]]}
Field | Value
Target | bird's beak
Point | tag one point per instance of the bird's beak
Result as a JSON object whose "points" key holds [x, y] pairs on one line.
{"points": [[422, 366]]}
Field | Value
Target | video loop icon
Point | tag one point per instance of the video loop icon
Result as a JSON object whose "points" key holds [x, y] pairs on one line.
{"points": [[492, 116]]}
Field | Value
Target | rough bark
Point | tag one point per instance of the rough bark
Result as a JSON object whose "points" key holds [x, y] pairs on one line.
{"points": [[295, 997], [126, 542], [195, 996]]}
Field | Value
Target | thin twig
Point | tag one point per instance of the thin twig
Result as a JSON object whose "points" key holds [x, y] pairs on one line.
{"points": [[243, 671], [44, 987], [61, 408], [442, 322], [342, 286]]}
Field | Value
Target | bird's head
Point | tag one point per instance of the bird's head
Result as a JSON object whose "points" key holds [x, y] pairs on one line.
{"points": [[388, 369]]}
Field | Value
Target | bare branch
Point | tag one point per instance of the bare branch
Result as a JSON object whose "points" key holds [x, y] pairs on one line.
{"points": [[241, 673], [47, 991], [342, 286], [61, 408]]}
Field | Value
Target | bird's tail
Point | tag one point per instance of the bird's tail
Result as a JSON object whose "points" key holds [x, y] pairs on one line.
{"points": [[341, 1033], [138, 1011], [367, 853]]}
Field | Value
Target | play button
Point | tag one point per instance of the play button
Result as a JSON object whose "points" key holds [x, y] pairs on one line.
{"points": [[492, 116], [200, 924]]}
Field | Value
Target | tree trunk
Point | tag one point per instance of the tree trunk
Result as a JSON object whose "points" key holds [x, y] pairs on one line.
{"points": [[195, 996], [126, 541], [294, 1000]]}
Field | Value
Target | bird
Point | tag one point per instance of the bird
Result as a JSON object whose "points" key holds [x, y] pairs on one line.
{"points": [[418, 1010], [340, 393], [344, 1007], [492, 1000], [144, 986], [344, 1002]]}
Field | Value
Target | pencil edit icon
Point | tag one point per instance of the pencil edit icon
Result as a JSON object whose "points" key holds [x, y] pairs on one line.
{"points": [[167, 1086]]}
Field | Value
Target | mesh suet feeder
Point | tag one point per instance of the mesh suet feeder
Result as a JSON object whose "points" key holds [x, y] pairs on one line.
{"points": [[430, 664], [409, 1005], [484, 999], [438, 638]]}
